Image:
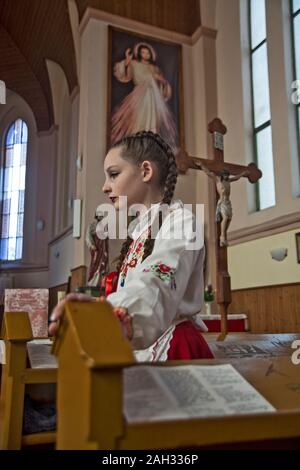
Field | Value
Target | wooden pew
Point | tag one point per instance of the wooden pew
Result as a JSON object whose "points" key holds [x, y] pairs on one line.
{"points": [[16, 374], [92, 353]]}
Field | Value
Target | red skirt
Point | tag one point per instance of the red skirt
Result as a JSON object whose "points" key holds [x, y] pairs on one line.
{"points": [[188, 343]]}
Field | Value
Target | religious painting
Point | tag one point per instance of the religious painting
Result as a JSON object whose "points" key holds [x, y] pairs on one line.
{"points": [[145, 87], [298, 246]]}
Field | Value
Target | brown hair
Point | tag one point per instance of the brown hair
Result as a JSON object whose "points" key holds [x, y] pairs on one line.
{"points": [[143, 146]]}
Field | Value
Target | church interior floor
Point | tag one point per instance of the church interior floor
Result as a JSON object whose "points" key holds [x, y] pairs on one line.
{"points": [[246, 345]]}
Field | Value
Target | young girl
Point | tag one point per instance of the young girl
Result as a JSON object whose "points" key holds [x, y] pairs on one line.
{"points": [[160, 285]]}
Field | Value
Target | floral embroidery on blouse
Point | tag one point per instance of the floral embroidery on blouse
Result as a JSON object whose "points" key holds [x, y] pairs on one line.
{"points": [[134, 254], [163, 272]]}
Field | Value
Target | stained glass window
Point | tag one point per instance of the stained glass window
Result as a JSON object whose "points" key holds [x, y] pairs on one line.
{"points": [[13, 175]]}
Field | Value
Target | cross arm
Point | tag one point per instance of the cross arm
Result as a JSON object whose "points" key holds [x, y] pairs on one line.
{"points": [[186, 162]]}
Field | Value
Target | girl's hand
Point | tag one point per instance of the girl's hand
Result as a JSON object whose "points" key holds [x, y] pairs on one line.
{"points": [[120, 312], [58, 311]]}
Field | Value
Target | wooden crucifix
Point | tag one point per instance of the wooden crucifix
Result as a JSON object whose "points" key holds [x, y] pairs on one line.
{"points": [[220, 172]]}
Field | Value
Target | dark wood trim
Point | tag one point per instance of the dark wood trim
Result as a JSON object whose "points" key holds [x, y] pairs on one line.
{"points": [[140, 27], [266, 287], [78, 277], [53, 294]]}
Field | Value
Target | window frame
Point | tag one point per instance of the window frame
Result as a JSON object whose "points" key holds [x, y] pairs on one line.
{"points": [[16, 261], [294, 70], [268, 123]]}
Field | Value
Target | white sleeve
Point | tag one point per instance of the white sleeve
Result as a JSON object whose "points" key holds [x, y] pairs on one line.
{"points": [[122, 72], [157, 285]]}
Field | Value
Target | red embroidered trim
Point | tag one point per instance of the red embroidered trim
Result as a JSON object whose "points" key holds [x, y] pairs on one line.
{"points": [[125, 320]]}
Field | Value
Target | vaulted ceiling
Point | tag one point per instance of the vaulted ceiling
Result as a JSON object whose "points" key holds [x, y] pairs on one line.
{"points": [[182, 16], [34, 30], [30, 32]]}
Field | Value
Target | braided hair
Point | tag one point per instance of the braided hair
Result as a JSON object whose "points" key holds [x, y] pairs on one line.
{"points": [[137, 148]]}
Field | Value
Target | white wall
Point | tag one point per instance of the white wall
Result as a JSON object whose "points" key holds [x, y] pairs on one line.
{"points": [[66, 112], [60, 261], [66, 120]]}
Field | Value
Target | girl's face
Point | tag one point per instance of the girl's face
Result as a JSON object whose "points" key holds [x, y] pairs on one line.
{"points": [[124, 178], [145, 54]]}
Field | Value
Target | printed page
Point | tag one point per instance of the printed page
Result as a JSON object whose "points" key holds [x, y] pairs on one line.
{"points": [[165, 393], [39, 353]]}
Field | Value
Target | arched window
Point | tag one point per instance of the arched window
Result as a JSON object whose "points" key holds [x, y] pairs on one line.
{"points": [[295, 12], [13, 172], [261, 115]]}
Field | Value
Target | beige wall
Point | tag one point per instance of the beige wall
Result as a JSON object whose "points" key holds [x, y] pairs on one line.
{"points": [[66, 121], [60, 261], [251, 264], [66, 112], [31, 280]]}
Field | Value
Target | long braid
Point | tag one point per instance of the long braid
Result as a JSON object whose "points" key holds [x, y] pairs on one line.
{"points": [[124, 251], [169, 189], [140, 147]]}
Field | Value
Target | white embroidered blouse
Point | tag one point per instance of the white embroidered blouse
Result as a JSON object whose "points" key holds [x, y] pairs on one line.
{"points": [[167, 287]]}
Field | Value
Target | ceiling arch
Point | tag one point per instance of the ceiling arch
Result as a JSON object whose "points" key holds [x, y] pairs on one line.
{"points": [[32, 31]]}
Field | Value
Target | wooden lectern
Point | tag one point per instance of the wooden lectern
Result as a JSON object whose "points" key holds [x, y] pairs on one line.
{"points": [[92, 354]]}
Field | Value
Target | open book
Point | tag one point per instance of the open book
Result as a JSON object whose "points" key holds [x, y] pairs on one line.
{"points": [[154, 393], [39, 354]]}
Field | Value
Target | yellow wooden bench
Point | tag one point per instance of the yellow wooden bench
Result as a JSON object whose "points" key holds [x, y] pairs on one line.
{"points": [[16, 332]]}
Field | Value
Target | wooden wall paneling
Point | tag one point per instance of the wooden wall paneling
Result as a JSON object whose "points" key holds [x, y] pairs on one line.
{"points": [[182, 16], [78, 277], [270, 309]]}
